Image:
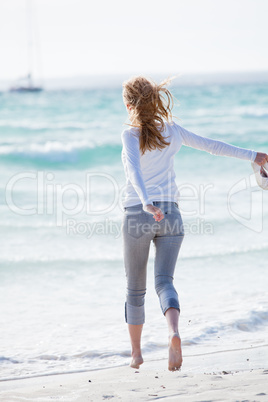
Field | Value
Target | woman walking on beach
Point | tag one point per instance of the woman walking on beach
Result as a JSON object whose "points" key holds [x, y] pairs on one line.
{"points": [[151, 210]]}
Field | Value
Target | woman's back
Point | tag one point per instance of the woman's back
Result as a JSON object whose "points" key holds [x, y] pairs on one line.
{"points": [[156, 167]]}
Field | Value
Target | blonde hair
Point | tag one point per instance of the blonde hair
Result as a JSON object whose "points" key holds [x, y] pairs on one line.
{"points": [[150, 104]]}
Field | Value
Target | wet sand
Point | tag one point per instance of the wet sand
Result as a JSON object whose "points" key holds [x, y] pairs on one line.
{"points": [[224, 376]]}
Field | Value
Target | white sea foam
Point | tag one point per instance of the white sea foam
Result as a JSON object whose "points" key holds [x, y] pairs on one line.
{"points": [[251, 111], [111, 253], [57, 152], [251, 323], [44, 148], [53, 125]]}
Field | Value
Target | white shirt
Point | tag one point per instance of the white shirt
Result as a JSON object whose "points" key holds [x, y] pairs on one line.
{"points": [[151, 177]]}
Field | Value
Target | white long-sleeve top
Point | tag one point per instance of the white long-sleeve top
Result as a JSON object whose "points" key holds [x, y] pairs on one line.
{"points": [[151, 177]]}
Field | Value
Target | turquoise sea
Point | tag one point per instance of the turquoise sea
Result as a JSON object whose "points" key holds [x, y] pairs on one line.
{"points": [[62, 281]]}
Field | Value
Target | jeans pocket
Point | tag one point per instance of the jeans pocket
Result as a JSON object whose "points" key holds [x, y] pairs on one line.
{"points": [[136, 225], [173, 224]]}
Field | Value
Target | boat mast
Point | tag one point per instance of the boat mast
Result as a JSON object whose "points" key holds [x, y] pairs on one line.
{"points": [[31, 46], [30, 41]]}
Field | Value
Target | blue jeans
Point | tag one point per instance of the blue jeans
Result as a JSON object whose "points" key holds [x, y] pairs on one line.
{"points": [[139, 228]]}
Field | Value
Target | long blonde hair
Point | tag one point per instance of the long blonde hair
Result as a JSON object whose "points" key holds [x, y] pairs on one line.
{"points": [[150, 104]]}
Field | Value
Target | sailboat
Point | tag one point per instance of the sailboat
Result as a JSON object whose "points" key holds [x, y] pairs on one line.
{"points": [[26, 84]]}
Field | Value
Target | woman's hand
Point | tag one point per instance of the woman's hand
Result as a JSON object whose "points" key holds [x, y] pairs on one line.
{"points": [[155, 211], [261, 158]]}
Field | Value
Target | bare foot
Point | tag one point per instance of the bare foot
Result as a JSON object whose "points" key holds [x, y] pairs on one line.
{"points": [[175, 356], [136, 361]]}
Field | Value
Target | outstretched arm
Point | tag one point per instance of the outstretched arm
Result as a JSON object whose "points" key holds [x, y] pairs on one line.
{"points": [[217, 147]]}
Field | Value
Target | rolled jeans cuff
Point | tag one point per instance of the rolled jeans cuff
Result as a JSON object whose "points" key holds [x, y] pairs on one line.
{"points": [[134, 314], [171, 303]]}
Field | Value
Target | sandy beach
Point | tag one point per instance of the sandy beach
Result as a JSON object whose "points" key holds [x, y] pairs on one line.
{"points": [[237, 380]]}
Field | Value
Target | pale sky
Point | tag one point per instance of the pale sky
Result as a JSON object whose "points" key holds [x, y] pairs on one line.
{"points": [[84, 37]]}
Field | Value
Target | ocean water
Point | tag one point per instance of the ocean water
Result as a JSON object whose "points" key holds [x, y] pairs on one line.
{"points": [[62, 281]]}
